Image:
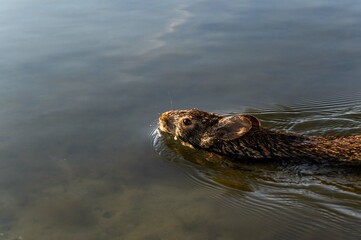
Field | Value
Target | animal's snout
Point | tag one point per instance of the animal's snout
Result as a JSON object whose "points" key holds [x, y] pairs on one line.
{"points": [[164, 118], [164, 121]]}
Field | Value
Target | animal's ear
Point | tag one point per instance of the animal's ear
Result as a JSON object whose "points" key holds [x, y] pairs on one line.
{"points": [[255, 122], [229, 128]]}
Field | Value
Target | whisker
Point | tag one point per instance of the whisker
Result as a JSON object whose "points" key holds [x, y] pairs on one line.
{"points": [[170, 99]]}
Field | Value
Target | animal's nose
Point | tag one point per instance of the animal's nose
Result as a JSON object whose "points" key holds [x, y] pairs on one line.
{"points": [[164, 121], [164, 116]]}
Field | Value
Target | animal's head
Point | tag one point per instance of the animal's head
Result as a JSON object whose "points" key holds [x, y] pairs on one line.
{"points": [[202, 129]]}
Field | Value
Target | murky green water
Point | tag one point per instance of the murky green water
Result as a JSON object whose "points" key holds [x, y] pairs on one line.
{"points": [[82, 85]]}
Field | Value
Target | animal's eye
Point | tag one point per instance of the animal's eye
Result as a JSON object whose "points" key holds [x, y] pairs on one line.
{"points": [[187, 121]]}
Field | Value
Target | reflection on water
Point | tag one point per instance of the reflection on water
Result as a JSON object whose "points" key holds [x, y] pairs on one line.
{"points": [[82, 83], [175, 151], [334, 189]]}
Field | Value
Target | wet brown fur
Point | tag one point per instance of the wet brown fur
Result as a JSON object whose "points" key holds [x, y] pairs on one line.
{"points": [[257, 143]]}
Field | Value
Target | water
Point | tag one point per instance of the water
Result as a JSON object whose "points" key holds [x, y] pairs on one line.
{"points": [[83, 83]]}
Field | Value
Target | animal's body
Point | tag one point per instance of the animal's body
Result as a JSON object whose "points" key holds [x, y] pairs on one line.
{"points": [[242, 137]]}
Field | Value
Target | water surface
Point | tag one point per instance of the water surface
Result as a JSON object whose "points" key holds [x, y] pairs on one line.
{"points": [[83, 83]]}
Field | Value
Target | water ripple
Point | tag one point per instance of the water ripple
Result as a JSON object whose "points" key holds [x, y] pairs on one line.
{"points": [[291, 192]]}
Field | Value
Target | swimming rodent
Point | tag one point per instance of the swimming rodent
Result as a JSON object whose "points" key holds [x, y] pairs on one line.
{"points": [[242, 137]]}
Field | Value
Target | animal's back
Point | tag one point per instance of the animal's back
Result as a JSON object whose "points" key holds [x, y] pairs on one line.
{"points": [[348, 148]]}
